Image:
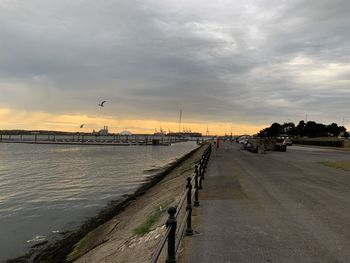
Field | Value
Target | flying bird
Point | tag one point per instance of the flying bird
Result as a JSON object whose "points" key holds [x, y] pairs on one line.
{"points": [[81, 126], [101, 104]]}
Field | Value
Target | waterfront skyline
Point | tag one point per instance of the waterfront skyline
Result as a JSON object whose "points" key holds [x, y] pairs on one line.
{"points": [[230, 66]]}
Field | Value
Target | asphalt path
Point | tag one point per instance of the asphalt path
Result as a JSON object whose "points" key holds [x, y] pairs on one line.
{"points": [[274, 207]]}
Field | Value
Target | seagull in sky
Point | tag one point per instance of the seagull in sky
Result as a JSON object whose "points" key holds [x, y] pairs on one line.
{"points": [[81, 126], [101, 104]]}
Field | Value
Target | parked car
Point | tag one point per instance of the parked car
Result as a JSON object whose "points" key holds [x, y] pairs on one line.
{"points": [[243, 141], [280, 147], [288, 142]]}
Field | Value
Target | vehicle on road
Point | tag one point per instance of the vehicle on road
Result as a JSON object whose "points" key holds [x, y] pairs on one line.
{"points": [[288, 142], [280, 147]]}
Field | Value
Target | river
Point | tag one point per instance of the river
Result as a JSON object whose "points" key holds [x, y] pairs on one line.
{"points": [[48, 189]]}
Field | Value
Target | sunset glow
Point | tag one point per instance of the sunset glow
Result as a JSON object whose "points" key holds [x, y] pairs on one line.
{"points": [[10, 119]]}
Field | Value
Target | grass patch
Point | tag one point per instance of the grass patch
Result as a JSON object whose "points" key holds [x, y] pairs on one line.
{"points": [[343, 165], [78, 246], [145, 227]]}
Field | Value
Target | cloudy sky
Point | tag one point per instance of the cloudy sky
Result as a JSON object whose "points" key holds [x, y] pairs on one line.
{"points": [[237, 65]]}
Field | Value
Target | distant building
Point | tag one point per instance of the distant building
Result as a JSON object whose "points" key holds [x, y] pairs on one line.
{"points": [[103, 131], [125, 133]]}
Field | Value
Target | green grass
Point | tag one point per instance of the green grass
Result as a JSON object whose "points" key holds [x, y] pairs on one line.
{"points": [[78, 246], [145, 227], [141, 230], [343, 165]]}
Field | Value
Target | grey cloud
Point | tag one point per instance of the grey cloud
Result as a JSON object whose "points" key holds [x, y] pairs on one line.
{"points": [[226, 61]]}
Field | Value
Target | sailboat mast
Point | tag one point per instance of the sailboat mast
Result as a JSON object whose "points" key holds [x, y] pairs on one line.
{"points": [[180, 121]]}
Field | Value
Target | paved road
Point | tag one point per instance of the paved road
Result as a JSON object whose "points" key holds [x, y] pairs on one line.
{"points": [[275, 207]]}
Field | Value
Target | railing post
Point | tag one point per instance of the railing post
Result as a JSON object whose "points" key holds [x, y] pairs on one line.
{"points": [[189, 231], [171, 238], [196, 202], [200, 175], [203, 165]]}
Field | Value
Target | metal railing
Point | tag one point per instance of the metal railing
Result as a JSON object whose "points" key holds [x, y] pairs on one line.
{"points": [[172, 234]]}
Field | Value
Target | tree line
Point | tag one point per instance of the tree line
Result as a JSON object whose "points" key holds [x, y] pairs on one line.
{"points": [[309, 129]]}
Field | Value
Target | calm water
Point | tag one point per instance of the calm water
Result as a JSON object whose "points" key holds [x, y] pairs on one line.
{"points": [[47, 189]]}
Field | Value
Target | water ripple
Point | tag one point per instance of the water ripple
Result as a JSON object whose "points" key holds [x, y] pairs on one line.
{"points": [[48, 187]]}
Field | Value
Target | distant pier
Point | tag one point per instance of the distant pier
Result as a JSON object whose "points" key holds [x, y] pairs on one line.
{"points": [[88, 139]]}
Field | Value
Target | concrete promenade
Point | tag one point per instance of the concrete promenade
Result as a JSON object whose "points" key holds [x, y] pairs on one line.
{"points": [[274, 207]]}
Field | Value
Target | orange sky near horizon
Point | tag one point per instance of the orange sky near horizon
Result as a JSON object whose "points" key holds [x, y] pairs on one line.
{"points": [[13, 119]]}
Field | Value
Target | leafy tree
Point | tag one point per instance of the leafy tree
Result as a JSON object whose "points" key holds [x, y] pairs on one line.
{"points": [[333, 129], [273, 131], [300, 128], [313, 129], [289, 128], [310, 129]]}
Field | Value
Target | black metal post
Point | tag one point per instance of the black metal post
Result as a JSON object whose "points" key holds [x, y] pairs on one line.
{"points": [[189, 231], [209, 152], [200, 173], [196, 202], [171, 238], [203, 166]]}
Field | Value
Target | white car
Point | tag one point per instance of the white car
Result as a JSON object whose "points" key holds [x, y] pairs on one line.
{"points": [[288, 142], [243, 141]]}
